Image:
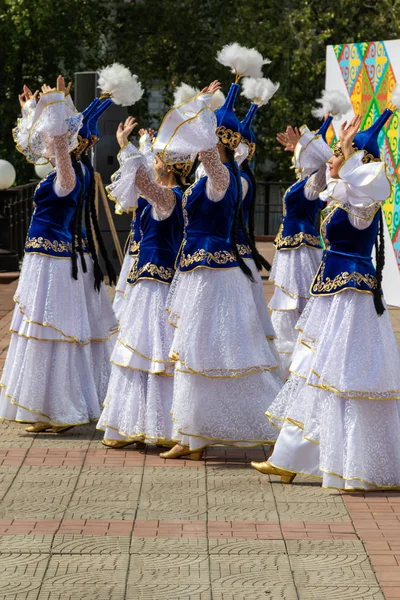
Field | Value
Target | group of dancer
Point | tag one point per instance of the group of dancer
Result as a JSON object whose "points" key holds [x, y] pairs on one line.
{"points": [[189, 355]]}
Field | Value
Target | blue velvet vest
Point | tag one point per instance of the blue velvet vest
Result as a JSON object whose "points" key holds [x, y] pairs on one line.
{"points": [[346, 261], [244, 249], [135, 234], [298, 220], [207, 242], [51, 228], [159, 245]]}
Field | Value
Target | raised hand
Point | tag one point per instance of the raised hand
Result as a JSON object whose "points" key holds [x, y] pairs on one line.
{"points": [[283, 139], [124, 131], [289, 139], [26, 95], [212, 88], [61, 85], [293, 135], [348, 132], [150, 132], [46, 88]]}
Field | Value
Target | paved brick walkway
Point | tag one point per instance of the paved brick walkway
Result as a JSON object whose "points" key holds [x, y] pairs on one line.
{"points": [[80, 521]]}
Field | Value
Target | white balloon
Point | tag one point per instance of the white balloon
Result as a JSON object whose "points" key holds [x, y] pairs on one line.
{"points": [[43, 170], [7, 174]]}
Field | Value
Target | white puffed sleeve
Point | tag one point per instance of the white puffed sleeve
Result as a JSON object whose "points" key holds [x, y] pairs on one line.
{"points": [[29, 108], [361, 189], [146, 148], [134, 179], [53, 117], [311, 153], [123, 189]]}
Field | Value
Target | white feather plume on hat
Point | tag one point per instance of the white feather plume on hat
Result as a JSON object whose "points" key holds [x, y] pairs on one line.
{"points": [[183, 93], [242, 60], [332, 102], [395, 99], [123, 87], [259, 90], [217, 100]]}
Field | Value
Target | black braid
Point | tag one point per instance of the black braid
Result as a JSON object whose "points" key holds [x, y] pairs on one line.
{"points": [[249, 234], [245, 167], [238, 208], [97, 272], [380, 263], [77, 221], [78, 233], [112, 276]]}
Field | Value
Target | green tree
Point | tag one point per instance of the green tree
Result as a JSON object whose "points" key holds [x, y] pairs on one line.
{"points": [[37, 41], [169, 41]]}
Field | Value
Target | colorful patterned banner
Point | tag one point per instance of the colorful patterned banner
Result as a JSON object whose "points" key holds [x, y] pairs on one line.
{"points": [[369, 78]]}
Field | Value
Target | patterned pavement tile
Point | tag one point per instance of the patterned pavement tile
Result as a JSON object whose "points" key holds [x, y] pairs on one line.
{"points": [[245, 511], [40, 492], [270, 592], [180, 476], [7, 476], [266, 576], [85, 576], [308, 571], [82, 507], [309, 547], [172, 575], [340, 592], [166, 506], [25, 544], [21, 575], [164, 545], [312, 511], [172, 591], [94, 544], [305, 493], [246, 547]]}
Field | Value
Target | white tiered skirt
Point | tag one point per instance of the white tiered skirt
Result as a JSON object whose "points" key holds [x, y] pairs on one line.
{"points": [[292, 273], [63, 331], [139, 396], [122, 287], [339, 412], [226, 370]]}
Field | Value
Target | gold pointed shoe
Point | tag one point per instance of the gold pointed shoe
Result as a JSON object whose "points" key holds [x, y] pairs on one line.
{"points": [[38, 427], [182, 451], [267, 469], [62, 428], [119, 444]]}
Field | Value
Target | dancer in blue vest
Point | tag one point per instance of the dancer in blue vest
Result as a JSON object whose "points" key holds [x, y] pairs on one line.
{"points": [[63, 326], [298, 244], [339, 412], [225, 370], [297, 247], [138, 401], [133, 241]]}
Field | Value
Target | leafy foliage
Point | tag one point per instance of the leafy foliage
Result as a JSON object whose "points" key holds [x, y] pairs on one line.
{"points": [[169, 41]]}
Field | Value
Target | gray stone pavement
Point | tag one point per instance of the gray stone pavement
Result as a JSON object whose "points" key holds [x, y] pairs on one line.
{"points": [[81, 522]]}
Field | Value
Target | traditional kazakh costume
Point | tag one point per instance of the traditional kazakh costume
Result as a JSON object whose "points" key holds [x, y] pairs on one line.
{"points": [[298, 243], [139, 397], [339, 412], [57, 367], [225, 369]]}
